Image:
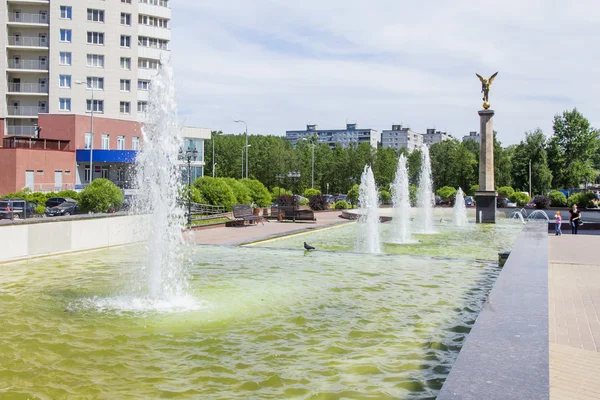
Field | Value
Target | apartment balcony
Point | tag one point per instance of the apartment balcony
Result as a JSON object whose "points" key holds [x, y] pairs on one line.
{"points": [[33, 2], [24, 42], [26, 111], [27, 89], [28, 65], [21, 130], [19, 18]]}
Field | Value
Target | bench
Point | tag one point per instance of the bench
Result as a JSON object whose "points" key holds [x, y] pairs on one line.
{"points": [[291, 213], [243, 213]]}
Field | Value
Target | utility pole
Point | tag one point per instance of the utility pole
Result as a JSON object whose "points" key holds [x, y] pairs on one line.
{"points": [[530, 178]]}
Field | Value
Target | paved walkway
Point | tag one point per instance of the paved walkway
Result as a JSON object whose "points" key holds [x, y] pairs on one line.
{"points": [[239, 235], [574, 323]]}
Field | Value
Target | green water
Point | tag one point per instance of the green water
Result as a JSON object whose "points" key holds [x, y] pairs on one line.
{"points": [[258, 323]]}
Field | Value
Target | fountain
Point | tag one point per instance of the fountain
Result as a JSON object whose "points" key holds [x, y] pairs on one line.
{"points": [[401, 201], [459, 211], [368, 201], [517, 215], [538, 215], [425, 197], [162, 276]]}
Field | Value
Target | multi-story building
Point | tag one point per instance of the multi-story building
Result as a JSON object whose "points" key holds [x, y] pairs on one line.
{"points": [[67, 60], [400, 137], [472, 136], [344, 137], [432, 136]]}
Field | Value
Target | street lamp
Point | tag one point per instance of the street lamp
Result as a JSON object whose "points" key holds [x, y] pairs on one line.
{"points": [[214, 134], [294, 175], [91, 128], [279, 178], [189, 156], [312, 141], [245, 148], [247, 145]]}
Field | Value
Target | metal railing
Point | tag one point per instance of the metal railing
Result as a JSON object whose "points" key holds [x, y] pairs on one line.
{"points": [[30, 41], [28, 64], [50, 187], [35, 143], [26, 110], [206, 211], [28, 18], [21, 130], [27, 88]]}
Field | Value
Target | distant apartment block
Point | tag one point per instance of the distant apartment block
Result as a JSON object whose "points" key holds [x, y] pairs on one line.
{"points": [[432, 136], [472, 136], [345, 137], [400, 137]]}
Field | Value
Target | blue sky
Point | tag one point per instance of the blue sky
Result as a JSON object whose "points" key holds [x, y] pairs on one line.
{"points": [[280, 65]]}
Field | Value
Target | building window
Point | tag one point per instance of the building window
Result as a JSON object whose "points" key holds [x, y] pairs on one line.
{"points": [[125, 19], [105, 141], [104, 173], [146, 63], [95, 38], [66, 12], [153, 21], [65, 81], [98, 106], [65, 58], [125, 107], [121, 142], [125, 85], [86, 174], [135, 143], [144, 41], [64, 104], [65, 35], [126, 1], [162, 3], [95, 15], [143, 84], [126, 63], [88, 141], [125, 41], [95, 60], [142, 106], [95, 82]]}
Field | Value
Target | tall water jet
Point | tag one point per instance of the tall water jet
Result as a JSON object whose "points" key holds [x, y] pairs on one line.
{"points": [[368, 200], [459, 212], [157, 173], [425, 197], [401, 202]]}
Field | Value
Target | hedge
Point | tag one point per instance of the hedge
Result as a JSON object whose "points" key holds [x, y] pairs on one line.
{"points": [[101, 196]]}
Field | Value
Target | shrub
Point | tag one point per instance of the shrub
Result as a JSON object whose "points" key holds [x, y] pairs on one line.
{"points": [[583, 199], [215, 191], [385, 196], [258, 192], [520, 198], [309, 193], [317, 203], [506, 191], [196, 196], [473, 189], [303, 202], [286, 200], [558, 199], [101, 196], [446, 192], [352, 195], [541, 202], [277, 191], [240, 191], [39, 209], [341, 205]]}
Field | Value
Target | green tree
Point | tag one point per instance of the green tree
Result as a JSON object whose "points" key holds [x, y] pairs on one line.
{"points": [[446, 192], [258, 192], [215, 191], [384, 167], [502, 164], [413, 163], [532, 148], [100, 196], [352, 195]]}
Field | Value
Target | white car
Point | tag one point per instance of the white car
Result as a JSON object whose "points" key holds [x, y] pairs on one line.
{"points": [[511, 204]]}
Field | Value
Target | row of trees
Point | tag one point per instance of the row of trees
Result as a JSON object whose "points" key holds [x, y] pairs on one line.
{"points": [[568, 158]]}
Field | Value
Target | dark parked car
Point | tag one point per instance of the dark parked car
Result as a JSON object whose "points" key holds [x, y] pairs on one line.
{"points": [[55, 201], [66, 208], [469, 201], [16, 208], [328, 198]]}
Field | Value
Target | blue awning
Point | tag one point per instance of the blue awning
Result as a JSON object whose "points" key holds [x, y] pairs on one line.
{"points": [[106, 156]]}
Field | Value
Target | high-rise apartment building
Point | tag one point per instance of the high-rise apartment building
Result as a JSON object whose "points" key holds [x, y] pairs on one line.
{"points": [[473, 135], [432, 136], [344, 137], [400, 137]]}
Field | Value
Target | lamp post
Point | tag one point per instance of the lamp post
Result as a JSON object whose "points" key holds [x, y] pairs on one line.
{"points": [[190, 155], [91, 128], [245, 149], [279, 178], [312, 142], [214, 135], [247, 145], [295, 175]]}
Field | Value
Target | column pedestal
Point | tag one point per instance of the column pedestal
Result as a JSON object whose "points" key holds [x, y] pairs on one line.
{"points": [[485, 203]]}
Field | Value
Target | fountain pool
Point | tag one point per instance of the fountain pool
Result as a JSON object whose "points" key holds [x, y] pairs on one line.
{"points": [[267, 322]]}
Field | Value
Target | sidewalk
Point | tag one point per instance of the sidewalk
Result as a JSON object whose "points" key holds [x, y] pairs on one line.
{"points": [[574, 316], [239, 235]]}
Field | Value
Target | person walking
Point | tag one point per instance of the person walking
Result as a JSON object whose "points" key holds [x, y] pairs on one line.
{"points": [[574, 218], [557, 223]]}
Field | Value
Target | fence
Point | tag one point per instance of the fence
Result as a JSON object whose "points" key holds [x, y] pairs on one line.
{"points": [[206, 211]]}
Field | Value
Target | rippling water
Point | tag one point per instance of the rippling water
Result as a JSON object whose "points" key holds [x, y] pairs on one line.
{"points": [[259, 323]]}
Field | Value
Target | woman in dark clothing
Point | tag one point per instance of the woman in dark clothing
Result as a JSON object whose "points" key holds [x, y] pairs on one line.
{"points": [[574, 219]]}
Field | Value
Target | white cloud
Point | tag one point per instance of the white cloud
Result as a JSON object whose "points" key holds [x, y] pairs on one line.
{"points": [[280, 64]]}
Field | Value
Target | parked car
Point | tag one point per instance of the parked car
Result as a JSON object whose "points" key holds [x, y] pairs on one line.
{"points": [[511, 204], [16, 208], [298, 198], [55, 201], [341, 197], [65, 208], [469, 201], [328, 198]]}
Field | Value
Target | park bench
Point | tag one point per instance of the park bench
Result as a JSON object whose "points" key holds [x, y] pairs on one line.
{"points": [[243, 214], [291, 213]]}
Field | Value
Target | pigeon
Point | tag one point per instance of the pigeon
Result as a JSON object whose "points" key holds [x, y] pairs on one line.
{"points": [[308, 247]]}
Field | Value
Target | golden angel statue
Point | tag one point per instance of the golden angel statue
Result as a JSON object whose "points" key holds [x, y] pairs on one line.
{"points": [[486, 84]]}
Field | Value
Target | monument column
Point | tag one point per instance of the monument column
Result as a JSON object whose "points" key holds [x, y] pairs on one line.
{"points": [[485, 197]]}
